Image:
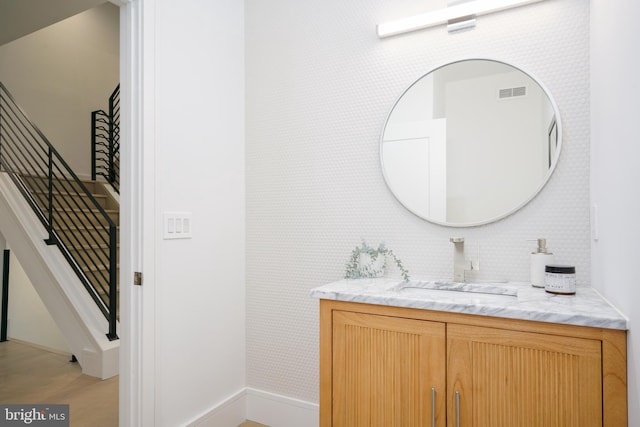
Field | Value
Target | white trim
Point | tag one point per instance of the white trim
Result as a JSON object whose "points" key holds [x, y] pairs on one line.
{"points": [[230, 412], [42, 347], [276, 410], [137, 222]]}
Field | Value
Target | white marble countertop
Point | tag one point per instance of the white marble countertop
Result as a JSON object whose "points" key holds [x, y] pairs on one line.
{"points": [[519, 300]]}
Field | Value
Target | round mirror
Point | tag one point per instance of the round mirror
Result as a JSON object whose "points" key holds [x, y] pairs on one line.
{"points": [[470, 142]]}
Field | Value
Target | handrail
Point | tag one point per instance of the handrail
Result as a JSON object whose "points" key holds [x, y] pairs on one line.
{"points": [[105, 142], [74, 220]]}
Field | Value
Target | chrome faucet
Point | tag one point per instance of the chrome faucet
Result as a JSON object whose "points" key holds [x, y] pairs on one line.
{"points": [[460, 263]]}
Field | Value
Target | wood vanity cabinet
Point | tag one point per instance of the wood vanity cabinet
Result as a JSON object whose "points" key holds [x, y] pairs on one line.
{"points": [[384, 370], [390, 366]]}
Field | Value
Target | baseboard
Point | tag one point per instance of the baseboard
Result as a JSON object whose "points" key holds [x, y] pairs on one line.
{"points": [[84, 176], [229, 413], [275, 410], [40, 347], [270, 409]]}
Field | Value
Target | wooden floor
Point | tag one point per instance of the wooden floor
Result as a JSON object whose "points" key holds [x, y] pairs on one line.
{"points": [[34, 376], [31, 375]]}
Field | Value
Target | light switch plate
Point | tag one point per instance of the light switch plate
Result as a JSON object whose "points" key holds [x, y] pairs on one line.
{"points": [[176, 225]]}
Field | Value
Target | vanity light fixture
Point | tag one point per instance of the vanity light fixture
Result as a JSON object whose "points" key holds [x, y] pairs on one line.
{"points": [[463, 13]]}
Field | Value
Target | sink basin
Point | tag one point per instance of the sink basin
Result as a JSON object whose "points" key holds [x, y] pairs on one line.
{"points": [[492, 288]]}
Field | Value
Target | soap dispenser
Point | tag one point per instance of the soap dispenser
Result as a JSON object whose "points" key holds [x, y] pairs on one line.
{"points": [[539, 259]]}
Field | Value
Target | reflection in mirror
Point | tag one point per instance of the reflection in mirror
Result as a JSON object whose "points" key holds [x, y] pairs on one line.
{"points": [[470, 143]]}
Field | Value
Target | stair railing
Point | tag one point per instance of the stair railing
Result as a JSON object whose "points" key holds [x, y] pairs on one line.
{"points": [[105, 142], [74, 220]]}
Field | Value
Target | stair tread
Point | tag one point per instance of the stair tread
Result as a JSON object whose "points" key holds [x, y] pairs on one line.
{"points": [[88, 209], [77, 247], [80, 227], [46, 178], [67, 193], [99, 267]]}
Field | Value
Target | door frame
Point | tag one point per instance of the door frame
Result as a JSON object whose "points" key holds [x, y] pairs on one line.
{"points": [[137, 207]]}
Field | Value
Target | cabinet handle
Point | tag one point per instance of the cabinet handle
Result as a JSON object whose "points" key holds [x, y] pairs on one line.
{"points": [[433, 407], [457, 409]]}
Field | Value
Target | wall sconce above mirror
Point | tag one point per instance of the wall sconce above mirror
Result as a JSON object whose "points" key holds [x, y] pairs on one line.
{"points": [[470, 142]]}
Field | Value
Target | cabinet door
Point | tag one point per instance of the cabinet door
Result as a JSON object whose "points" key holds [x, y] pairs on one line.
{"points": [[518, 379], [387, 370]]}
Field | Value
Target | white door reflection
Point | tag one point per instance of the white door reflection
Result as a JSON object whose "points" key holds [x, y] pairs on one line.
{"points": [[407, 150]]}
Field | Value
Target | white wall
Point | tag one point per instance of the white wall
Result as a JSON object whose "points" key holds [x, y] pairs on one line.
{"points": [[28, 318], [199, 283], [615, 108], [486, 134], [19, 19], [61, 73], [319, 87]]}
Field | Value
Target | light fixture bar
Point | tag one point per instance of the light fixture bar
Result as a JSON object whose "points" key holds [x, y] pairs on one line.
{"points": [[461, 23], [443, 16]]}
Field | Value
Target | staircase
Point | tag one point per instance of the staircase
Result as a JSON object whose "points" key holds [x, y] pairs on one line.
{"points": [[66, 231], [105, 142], [80, 225]]}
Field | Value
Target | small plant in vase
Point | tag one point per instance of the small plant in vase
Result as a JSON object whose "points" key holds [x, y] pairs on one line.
{"points": [[367, 262]]}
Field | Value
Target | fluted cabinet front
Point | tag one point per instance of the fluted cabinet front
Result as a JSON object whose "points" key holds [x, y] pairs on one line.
{"points": [[503, 378], [387, 370]]}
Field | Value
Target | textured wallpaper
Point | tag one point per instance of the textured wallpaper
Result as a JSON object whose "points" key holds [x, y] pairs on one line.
{"points": [[319, 87]]}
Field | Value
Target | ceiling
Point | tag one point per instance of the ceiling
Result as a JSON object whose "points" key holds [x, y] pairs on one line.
{"points": [[21, 17]]}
